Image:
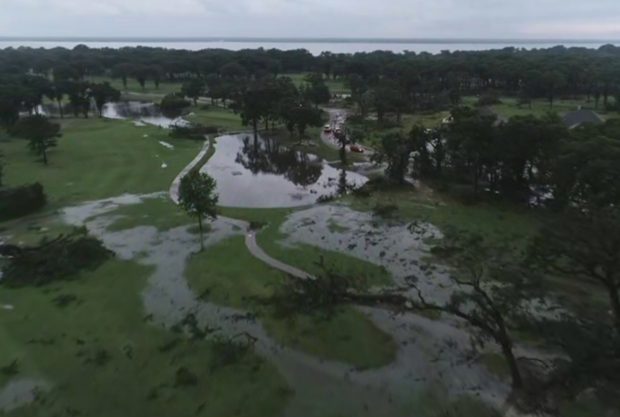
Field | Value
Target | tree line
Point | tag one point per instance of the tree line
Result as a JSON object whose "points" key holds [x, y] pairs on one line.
{"points": [[399, 82]]}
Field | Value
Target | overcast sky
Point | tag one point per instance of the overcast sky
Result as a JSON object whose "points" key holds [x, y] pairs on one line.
{"points": [[574, 19]]}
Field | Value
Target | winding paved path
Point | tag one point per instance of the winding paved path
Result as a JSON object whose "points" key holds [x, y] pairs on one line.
{"points": [[250, 236]]}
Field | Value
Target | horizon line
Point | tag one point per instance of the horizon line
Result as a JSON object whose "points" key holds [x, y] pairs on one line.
{"points": [[171, 39]]}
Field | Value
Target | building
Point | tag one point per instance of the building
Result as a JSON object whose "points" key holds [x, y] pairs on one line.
{"points": [[580, 116]]}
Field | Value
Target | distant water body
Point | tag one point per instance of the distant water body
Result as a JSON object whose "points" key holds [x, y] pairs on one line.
{"points": [[315, 46]]}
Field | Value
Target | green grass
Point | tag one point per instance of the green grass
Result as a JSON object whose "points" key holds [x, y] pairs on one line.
{"points": [[496, 364], [508, 107], [100, 158], [426, 120], [492, 220], [216, 116], [302, 256], [160, 212], [165, 87], [335, 86], [221, 274], [138, 378]]}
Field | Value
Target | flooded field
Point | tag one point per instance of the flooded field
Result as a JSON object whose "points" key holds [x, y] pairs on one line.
{"points": [[263, 174]]}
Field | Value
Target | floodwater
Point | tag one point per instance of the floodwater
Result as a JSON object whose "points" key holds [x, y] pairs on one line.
{"points": [[262, 174], [133, 110], [389, 244], [19, 392], [431, 354]]}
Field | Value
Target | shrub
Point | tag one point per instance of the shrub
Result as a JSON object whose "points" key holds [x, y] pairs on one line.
{"points": [[192, 131], [173, 103], [21, 201]]}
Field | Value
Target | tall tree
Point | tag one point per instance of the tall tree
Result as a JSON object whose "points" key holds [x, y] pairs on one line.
{"points": [[198, 197], [141, 74], [102, 94], [122, 71], [40, 132], [584, 246], [394, 148], [193, 89]]}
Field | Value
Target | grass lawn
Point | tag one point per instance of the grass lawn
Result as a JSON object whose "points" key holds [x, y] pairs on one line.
{"points": [[216, 116], [160, 212], [101, 358], [491, 220], [165, 87], [100, 158], [508, 108], [335, 86], [304, 256], [223, 270]]}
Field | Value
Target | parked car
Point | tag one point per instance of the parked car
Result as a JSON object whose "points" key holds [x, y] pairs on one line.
{"points": [[327, 128], [356, 148]]}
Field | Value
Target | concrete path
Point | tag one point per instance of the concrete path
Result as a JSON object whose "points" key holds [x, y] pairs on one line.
{"points": [[250, 237]]}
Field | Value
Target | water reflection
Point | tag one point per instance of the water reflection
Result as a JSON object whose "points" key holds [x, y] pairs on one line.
{"points": [[267, 157], [260, 173]]}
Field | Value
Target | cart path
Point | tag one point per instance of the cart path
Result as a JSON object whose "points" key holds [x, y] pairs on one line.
{"points": [[250, 236]]}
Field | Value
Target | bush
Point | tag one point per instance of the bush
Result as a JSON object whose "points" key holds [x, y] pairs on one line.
{"points": [[488, 99], [21, 201], [192, 131], [174, 102]]}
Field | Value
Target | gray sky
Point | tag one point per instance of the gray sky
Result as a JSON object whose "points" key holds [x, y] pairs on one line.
{"points": [[572, 19]]}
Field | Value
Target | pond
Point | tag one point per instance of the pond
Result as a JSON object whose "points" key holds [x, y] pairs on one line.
{"points": [[262, 174], [135, 110]]}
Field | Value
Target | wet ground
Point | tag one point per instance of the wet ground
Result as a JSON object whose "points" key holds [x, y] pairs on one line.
{"points": [[263, 174], [432, 353], [141, 112]]}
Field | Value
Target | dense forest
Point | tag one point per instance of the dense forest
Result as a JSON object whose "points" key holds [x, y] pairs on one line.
{"points": [[413, 78]]}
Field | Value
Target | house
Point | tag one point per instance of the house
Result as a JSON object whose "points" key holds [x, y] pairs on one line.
{"points": [[581, 115]]}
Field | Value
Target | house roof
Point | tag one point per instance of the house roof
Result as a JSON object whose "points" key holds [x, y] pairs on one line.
{"points": [[580, 116]]}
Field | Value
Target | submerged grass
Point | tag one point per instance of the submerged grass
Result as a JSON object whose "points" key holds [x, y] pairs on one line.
{"points": [[101, 357], [221, 274]]}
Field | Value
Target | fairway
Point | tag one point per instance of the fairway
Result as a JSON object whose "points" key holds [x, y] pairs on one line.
{"points": [[100, 347], [165, 87], [335, 86], [99, 158]]}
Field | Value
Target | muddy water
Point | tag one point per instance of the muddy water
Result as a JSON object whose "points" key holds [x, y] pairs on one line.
{"points": [[431, 352], [262, 174]]}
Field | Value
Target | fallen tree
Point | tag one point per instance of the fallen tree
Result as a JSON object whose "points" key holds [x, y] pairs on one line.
{"points": [[61, 258]]}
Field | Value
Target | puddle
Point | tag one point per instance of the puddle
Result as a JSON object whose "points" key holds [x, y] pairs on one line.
{"points": [[20, 392], [263, 174], [366, 237]]}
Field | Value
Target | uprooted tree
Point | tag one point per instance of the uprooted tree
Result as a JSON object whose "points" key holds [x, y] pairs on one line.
{"points": [[52, 260], [489, 292], [584, 247]]}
